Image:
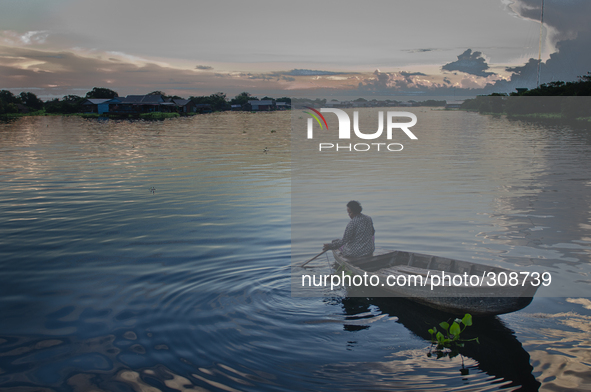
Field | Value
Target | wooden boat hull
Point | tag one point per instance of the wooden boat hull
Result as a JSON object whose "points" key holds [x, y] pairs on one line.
{"points": [[485, 299]]}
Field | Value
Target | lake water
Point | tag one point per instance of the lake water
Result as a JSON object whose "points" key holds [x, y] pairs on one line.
{"points": [[156, 256]]}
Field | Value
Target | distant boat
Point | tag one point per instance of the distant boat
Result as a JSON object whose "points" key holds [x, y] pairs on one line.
{"points": [[482, 299]]}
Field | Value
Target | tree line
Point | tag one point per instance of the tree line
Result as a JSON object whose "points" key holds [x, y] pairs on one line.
{"points": [[27, 101], [581, 87], [549, 100]]}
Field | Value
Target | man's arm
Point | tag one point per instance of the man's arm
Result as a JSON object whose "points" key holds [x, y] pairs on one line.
{"points": [[347, 237]]}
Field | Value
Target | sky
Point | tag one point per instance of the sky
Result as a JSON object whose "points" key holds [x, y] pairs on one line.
{"points": [[277, 48]]}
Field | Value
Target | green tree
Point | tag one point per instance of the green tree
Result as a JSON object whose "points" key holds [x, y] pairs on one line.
{"points": [[242, 99], [217, 101], [7, 108], [101, 92], [199, 100], [68, 104], [73, 98], [158, 92], [8, 102], [11, 108], [7, 97], [30, 100], [53, 106]]}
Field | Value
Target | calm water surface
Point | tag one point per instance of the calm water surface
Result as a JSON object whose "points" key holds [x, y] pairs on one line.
{"points": [[155, 256]]}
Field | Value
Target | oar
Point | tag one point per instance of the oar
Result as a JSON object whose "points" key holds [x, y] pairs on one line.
{"points": [[315, 257]]}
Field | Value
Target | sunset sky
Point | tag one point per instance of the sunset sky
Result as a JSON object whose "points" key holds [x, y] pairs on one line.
{"points": [[189, 48]]}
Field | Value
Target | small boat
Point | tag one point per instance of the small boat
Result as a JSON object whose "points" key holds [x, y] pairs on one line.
{"points": [[449, 285]]}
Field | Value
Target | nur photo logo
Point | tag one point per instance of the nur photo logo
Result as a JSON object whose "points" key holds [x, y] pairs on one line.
{"points": [[344, 131]]}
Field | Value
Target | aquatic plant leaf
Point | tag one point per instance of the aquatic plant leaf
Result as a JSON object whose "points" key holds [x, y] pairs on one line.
{"points": [[455, 329], [440, 337], [444, 325], [467, 320]]}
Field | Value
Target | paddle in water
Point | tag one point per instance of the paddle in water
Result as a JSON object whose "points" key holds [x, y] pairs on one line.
{"points": [[315, 257]]}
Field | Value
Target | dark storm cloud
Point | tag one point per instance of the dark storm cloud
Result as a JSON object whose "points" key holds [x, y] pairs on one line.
{"points": [[469, 62], [404, 73], [568, 17], [570, 35]]}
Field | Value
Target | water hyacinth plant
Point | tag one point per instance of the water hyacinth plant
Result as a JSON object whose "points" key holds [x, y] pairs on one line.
{"points": [[448, 341]]}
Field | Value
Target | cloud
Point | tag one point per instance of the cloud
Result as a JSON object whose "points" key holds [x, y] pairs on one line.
{"points": [[469, 83], [203, 67], [523, 71], [310, 72], [59, 73], [399, 81], [30, 37], [128, 57], [471, 63], [260, 77], [420, 50], [566, 18], [412, 73], [34, 37], [569, 34]]}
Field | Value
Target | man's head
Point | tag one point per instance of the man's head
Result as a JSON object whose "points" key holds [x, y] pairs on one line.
{"points": [[354, 208]]}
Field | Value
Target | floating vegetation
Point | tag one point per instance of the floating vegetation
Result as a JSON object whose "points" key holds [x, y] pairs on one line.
{"points": [[90, 115], [448, 341], [158, 116]]}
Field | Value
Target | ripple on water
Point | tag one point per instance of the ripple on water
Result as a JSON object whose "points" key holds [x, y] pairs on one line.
{"points": [[155, 256]]}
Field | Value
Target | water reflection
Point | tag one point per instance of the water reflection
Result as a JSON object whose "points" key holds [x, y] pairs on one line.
{"points": [[108, 286], [472, 187], [560, 347], [498, 354]]}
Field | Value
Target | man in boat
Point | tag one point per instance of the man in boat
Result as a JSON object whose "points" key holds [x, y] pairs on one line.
{"points": [[358, 240]]}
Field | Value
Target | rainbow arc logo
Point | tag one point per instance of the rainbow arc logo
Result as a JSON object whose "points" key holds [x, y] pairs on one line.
{"points": [[316, 117]]}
